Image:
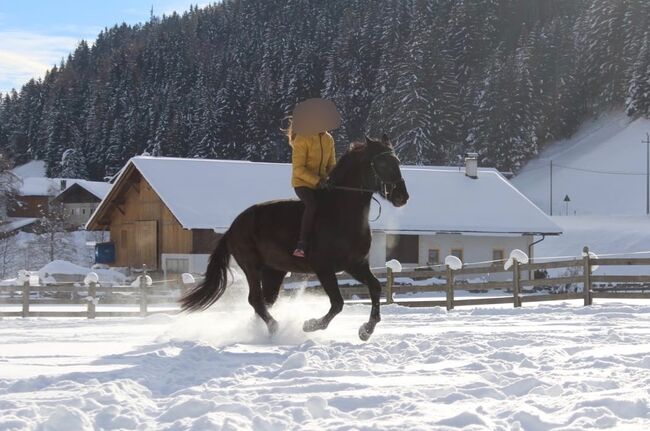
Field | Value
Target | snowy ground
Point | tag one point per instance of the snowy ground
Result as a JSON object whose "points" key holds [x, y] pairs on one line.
{"points": [[611, 144], [557, 366]]}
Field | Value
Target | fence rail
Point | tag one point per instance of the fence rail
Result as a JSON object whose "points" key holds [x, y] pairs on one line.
{"points": [[514, 291], [142, 294], [593, 286]]}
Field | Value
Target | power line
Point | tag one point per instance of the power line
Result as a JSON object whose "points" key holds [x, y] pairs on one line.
{"points": [[595, 171]]}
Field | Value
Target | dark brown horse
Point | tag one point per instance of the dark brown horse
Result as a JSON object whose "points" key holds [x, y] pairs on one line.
{"points": [[262, 237]]}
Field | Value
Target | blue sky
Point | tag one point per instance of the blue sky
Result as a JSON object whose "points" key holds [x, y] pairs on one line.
{"points": [[34, 35]]}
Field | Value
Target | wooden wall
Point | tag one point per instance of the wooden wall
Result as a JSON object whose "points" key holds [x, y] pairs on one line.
{"points": [[142, 227], [29, 206]]}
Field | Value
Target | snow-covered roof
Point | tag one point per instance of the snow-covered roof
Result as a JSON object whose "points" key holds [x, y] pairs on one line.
{"points": [[209, 194], [97, 188], [14, 223], [40, 186], [34, 168]]}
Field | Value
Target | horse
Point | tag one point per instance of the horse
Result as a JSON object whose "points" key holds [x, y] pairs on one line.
{"points": [[262, 237]]}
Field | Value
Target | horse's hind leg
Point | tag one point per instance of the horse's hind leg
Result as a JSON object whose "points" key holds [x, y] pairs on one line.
{"points": [[330, 284], [256, 299], [362, 273], [271, 283]]}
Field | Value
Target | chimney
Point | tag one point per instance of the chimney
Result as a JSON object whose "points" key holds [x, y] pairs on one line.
{"points": [[64, 183], [471, 165]]}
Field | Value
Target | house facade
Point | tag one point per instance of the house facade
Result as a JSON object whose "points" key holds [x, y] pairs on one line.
{"points": [[168, 213], [80, 200]]}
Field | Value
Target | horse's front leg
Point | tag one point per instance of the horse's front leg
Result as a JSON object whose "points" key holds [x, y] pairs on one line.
{"points": [[331, 285], [362, 273]]}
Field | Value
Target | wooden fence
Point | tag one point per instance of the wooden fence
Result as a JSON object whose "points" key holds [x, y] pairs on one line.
{"points": [[440, 280], [450, 281], [143, 294]]}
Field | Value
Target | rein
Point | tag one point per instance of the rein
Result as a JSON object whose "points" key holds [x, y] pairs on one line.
{"points": [[383, 184], [359, 189]]}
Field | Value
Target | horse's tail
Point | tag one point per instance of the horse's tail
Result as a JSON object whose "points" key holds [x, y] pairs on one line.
{"points": [[214, 283]]}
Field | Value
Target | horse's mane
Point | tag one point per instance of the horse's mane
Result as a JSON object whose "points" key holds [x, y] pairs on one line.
{"points": [[348, 160]]}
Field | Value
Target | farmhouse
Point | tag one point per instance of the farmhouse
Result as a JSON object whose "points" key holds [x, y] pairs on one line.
{"points": [[36, 196], [80, 200], [167, 213]]}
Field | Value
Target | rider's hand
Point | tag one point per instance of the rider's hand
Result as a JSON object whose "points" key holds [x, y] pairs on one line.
{"points": [[324, 184]]}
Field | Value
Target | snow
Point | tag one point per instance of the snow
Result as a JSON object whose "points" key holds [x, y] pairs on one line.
{"points": [[15, 223], [35, 183], [39, 186], [535, 368], [611, 143], [34, 168], [98, 188], [62, 267], [214, 192], [602, 234]]}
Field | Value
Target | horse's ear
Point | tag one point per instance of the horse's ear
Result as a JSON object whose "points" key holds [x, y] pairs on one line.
{"points": [[385, 141]]}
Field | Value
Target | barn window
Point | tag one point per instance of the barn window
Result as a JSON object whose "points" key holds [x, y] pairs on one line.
{"points": [[434, 256], [497, 254], [404, 248], [458, 252]]}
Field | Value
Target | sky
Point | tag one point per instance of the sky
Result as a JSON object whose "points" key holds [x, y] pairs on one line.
{"points": [[36, 34]]}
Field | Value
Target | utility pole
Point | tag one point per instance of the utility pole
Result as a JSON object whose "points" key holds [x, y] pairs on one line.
{"points": [[647, 173], [551, 199]]}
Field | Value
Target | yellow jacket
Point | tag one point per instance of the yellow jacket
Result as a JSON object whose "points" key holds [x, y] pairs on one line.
{"points": [[313, 158]]}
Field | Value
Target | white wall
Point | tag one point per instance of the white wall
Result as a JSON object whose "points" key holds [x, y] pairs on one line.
{"points": [[197, 263], [476, 248]]}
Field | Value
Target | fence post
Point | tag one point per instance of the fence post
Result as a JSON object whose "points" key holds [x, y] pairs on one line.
{"points": [[92, 293], [389, 285], [516, 283], [143, 292], [450, 288], [587, 287], [26, 298]]}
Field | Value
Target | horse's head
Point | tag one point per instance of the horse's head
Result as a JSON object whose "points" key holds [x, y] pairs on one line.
{"points": [[382, 173]]}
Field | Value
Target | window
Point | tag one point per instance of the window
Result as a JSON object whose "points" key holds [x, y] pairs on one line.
{"points": [[404, 248], [83, 211], [434, 256], [174, 265], [458, 252], [497, 254]]}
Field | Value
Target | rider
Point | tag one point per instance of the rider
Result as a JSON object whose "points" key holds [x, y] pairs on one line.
{"points": [[313, 157]]}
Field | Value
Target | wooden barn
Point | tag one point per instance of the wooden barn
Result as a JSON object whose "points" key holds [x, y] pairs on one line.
{"points": [[143, 229], [168, 212]]}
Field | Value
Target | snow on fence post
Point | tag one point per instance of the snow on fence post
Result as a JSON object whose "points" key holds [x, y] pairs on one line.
{"points": [[189, 282], [587, 287], [389, 285], [26, 298], [516, 283], [450, 288]]}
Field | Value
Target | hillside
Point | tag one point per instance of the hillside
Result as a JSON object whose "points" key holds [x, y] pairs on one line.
{"points": [[602, 169], [443, 77]]}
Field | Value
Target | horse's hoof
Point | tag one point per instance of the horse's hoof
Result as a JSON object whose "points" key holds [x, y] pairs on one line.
{"points": [[312, 325], [365, 331], [273, 327]]}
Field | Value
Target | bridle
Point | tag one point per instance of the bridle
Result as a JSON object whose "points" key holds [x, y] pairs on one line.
{"points": [[382, 186]]}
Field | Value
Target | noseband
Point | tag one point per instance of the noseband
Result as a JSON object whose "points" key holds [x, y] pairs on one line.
{"points": [[385, 186]]}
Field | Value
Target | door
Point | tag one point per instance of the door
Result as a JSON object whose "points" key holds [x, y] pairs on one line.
{"points": [[146, 244]]}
